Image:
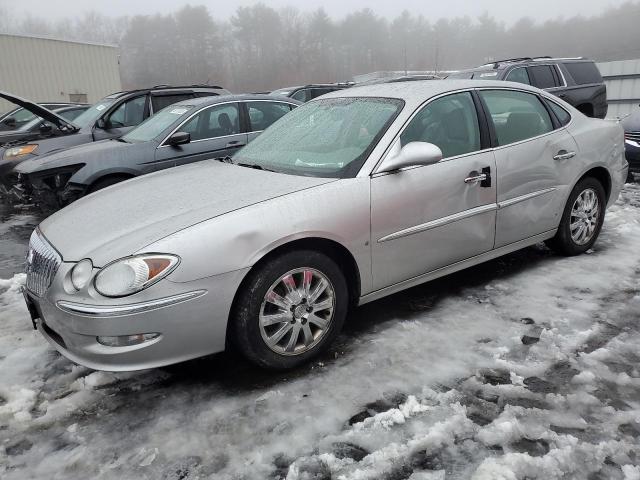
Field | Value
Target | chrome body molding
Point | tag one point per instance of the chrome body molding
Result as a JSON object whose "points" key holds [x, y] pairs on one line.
{"points": [[440, 222], [528, 196], [130, 309], [469, 262]]}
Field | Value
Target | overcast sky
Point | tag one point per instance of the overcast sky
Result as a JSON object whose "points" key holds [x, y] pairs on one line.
{"points": [[506, 10]]}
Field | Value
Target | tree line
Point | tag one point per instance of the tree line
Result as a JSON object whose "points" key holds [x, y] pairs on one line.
{"points": [[261, 48]]}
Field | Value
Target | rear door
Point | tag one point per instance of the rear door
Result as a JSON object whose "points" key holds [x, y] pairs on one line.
{"points": [[425, 218], [534, 155], [215, 133]]}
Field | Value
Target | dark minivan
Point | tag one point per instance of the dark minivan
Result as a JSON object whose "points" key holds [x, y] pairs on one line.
{"points": [[577, 81]]}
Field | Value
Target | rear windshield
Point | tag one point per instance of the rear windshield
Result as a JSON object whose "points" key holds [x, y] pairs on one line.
{"points": [[585, 72]]}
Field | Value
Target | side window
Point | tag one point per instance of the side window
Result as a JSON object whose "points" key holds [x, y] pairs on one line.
{"points": [[516, 116], [301, 95], [519, 75], [584, 72], [160, 101], [449, 122], [129, 113], [563, 116], [542, 76], [71, 114], [263, 114], [216, 121]]}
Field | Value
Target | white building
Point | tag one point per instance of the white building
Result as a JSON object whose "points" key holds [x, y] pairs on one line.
{"points": [[623, 86], [49, 70]]}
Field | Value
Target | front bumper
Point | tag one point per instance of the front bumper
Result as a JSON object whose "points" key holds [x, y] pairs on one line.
{"points": [[190, 318]]}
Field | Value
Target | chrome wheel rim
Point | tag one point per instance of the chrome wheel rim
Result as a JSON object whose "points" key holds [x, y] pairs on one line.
{"points": [[297, 311], [585, 215]]}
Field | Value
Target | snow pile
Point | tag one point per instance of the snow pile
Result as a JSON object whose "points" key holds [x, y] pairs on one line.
{"points": [[525, 367]]}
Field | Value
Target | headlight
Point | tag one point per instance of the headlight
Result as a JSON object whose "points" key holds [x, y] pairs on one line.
{"points": [[81, 274], [132, 274], [14, 152]]}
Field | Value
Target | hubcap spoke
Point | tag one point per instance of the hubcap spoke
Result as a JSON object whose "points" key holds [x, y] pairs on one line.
{"points": [[293, 339], [274, 298], [323, 305], [280, 333], [318, 321], [275, 318], [308, 336], [321, 287]]}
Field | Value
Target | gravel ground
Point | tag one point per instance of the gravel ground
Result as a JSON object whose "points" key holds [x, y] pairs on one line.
{"points": [[526, 367]]}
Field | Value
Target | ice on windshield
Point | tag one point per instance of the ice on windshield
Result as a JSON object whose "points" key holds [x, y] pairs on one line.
{"points": [[326, 138], [156, 124]]}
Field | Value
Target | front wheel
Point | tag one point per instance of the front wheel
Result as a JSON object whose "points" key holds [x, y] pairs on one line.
{"points": [[290, 309], [582, 218]]}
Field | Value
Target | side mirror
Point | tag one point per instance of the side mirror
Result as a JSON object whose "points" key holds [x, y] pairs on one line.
{"points": [[101, 123], [411, 155], [10, 122], [179, 138], [45, 128]]}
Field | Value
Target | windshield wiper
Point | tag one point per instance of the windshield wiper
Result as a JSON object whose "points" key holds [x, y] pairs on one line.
{"points": [[255, 166]]}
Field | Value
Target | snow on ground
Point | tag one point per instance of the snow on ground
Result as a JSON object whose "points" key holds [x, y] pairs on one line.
{"points": [[524, 367]]}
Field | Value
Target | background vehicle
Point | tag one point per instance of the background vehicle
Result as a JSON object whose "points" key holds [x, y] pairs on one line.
{"points": [[17, 117], [631, 126], [185, 132], [38, 128], [304, 93], [347, 199], [111, 117], [577, 81]]}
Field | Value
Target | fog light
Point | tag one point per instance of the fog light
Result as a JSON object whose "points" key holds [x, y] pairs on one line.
{"points": [[127, 340]]}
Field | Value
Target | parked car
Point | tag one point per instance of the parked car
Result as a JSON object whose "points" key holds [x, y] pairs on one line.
{"points": [[39, 128], [18, 116], [304, 93], [577, 81], [111, 117], [347, 199], [185, 132], [631, 126]]}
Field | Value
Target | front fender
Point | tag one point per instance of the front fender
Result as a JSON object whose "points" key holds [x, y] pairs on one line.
{"points": [[338, 211]]}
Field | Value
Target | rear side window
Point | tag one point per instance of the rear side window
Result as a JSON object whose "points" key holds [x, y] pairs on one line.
{"points": [[542, 76], [216, 121], [516, 116], [263, 114], [583, 73], [564, 117], [519, 75], [161, 101], [449, 122], [303, 95]]}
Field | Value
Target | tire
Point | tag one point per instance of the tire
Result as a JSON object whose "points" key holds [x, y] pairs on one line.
{"points": [[106, 182], [256, 321], [563, 242]]}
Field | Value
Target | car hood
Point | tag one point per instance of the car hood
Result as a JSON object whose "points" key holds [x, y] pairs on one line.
{"points": [[87, 152], [126, 217], [40, 111]]}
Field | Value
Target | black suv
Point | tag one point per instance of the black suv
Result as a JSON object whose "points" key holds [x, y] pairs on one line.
{"points": [[304, 93], [111, 117], [577, 81]]}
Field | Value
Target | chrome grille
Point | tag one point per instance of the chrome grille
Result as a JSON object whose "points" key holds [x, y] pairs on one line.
{"points": [[632, 136], [42, 264]]}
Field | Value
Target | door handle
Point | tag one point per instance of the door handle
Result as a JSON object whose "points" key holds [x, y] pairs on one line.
{"points": [[564, 155], [235, 143], [483, 177]]}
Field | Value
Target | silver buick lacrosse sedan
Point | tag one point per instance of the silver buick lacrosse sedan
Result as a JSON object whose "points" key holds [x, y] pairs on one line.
{"points": [[349, 198]]}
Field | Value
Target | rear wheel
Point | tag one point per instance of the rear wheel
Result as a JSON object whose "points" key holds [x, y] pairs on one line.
{"points": [[582, 218], [290, 309]]}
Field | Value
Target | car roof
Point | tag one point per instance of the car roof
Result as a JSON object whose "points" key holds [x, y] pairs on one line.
{"points": [[417, 92], [163, 88], [212, 100]]}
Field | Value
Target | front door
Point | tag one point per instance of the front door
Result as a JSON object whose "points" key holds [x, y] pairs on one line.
{"points": [[215, 133], [124, 118], [424, 218]]}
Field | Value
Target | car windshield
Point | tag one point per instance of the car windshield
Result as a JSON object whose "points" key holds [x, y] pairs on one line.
{"points": [[156, 124], [92, 113], [326, 138]]}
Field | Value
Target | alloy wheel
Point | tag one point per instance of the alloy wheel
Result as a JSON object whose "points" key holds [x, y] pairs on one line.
{"points": [[585, 215]]}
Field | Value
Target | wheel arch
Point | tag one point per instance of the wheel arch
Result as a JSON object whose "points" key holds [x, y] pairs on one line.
{"points": [[332, 248], [602, 175]]}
